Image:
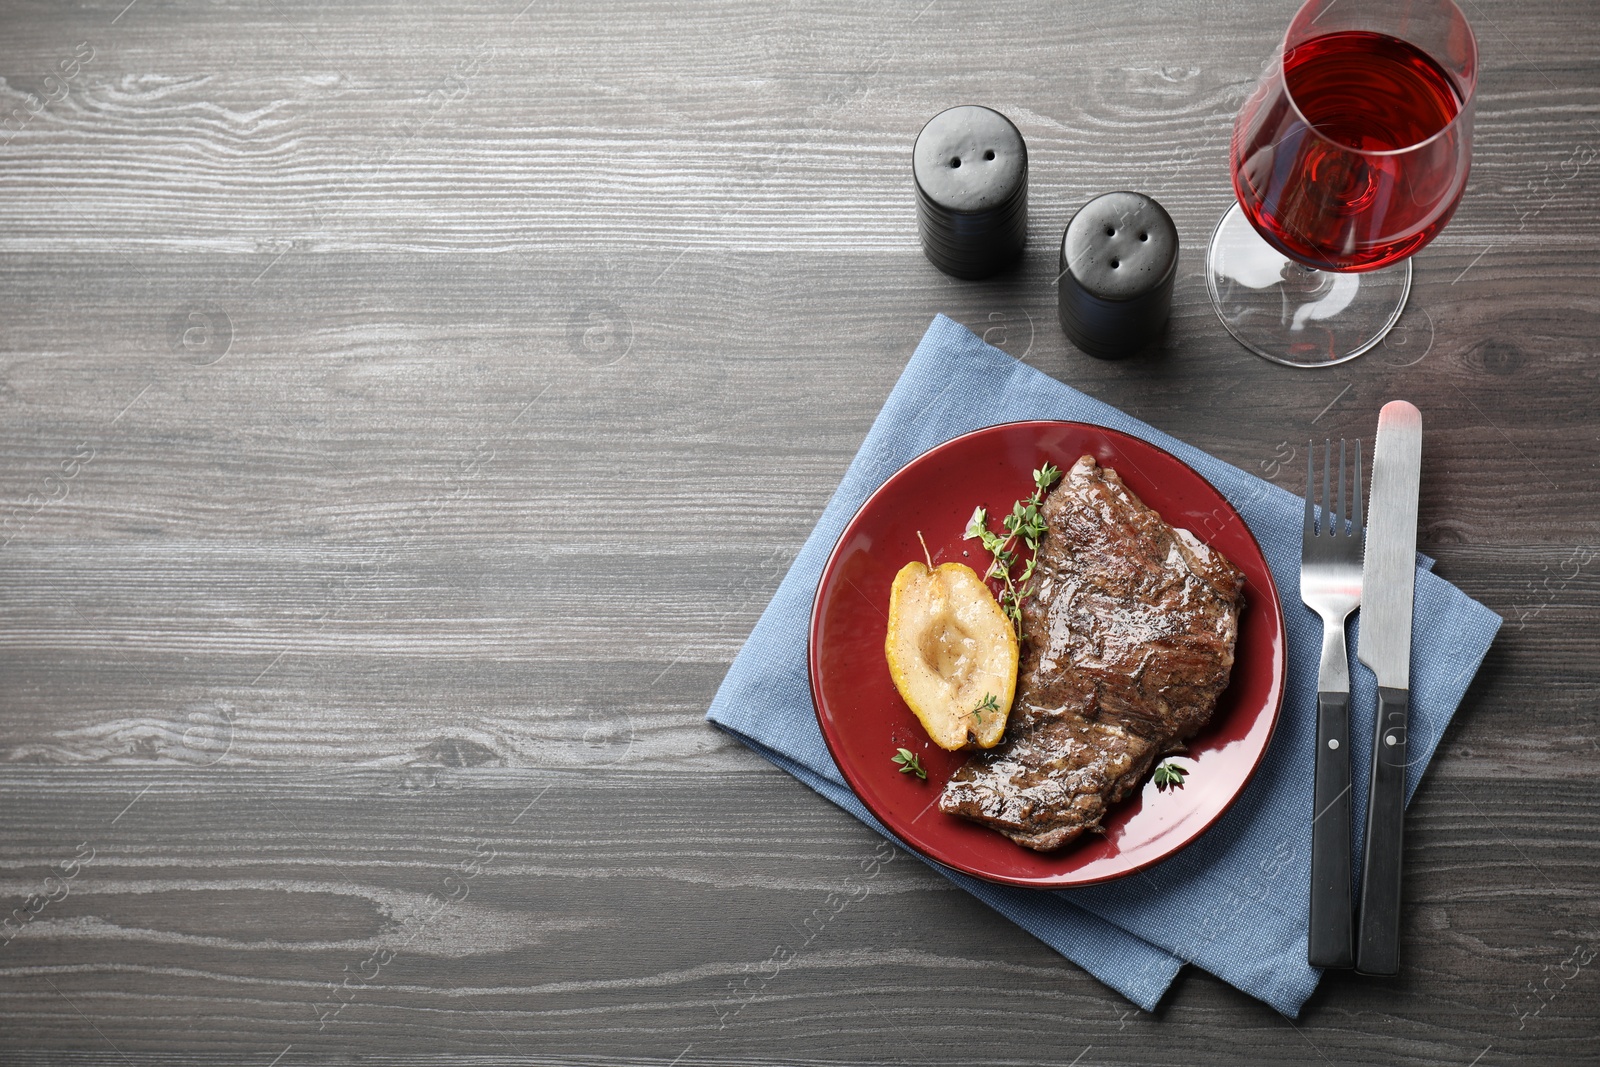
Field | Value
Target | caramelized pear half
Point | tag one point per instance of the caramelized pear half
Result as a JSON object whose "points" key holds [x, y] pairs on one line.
{"points": [[950, 647]]}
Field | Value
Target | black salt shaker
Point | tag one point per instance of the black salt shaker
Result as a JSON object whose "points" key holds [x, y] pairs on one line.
{"points": [[971, 171], [1119, 258]]}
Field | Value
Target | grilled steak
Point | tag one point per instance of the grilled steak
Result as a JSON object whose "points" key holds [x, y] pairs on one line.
{"points": [[1129, 642]]}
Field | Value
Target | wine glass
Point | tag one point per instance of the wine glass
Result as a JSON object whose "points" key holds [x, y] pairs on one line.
{"points": [[1349, 156]]}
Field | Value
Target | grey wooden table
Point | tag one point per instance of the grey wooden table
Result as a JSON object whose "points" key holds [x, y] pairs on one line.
{"points": [[406, 410]]}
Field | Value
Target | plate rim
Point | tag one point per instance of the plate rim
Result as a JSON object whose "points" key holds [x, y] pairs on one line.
{"points": [[1053, 882]]}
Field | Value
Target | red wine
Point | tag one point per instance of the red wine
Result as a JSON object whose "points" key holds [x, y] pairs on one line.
{"points": [[1352, 159]]}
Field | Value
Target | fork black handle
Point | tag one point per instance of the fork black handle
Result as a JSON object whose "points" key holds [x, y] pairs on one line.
{"points": [[1330, 941], [1378, 942]]}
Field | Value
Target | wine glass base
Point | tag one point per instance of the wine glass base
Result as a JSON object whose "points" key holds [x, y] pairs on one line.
{"points": [[1293, 314]]}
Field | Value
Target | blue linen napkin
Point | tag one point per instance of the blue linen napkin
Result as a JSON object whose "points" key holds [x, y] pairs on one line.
{"points": [[1235, 900]]}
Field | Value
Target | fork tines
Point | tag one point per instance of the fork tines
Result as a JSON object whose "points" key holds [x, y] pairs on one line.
{"points": [[1334, 518]]}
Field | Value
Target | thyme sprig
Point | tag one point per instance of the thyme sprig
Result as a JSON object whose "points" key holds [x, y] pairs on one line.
{"points": [[1170, 774], [1024, 524], [909, 762], [990, 703]]}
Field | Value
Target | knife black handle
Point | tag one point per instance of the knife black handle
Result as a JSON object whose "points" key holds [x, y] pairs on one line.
{"points": [[1330, 941], [1378, 940]]}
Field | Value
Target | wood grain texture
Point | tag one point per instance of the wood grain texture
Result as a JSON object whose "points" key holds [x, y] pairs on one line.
{"points": [[406, 412]]}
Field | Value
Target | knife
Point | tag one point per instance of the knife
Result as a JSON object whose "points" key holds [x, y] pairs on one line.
{"points": [[1388, 578]]}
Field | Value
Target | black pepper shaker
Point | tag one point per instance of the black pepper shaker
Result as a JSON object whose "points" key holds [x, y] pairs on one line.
{"points": [[1119, 258], [970, 166]]}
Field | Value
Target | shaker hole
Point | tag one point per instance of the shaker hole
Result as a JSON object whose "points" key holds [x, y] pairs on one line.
{"points": [[1115, 263], [989, 154], [956, 162], [1144, 237], [1110, 232]]}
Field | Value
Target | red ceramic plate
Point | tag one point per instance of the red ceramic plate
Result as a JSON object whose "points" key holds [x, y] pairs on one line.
{"points": [[864, 720]]}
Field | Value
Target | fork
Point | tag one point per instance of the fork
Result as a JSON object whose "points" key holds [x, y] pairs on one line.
{"points": [[1330, 585]]}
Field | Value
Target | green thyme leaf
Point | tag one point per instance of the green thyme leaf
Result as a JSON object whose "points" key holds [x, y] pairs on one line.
{"points": [[978, 526], [1170, 774]]}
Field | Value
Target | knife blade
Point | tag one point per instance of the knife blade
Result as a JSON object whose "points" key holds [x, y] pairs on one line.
{"points": [[1388, 579]]}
